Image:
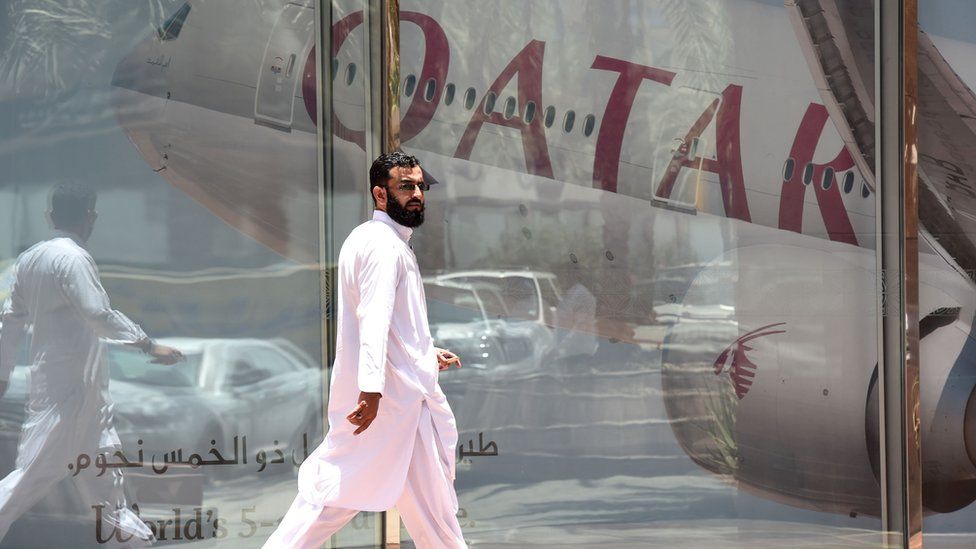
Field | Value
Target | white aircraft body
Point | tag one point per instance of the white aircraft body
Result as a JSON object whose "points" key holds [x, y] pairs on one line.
{"points": [[634, 130]]}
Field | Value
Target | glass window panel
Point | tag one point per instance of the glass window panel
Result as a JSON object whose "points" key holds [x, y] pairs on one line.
{"points": [[667, 324], [196, 124], [946, 142]]}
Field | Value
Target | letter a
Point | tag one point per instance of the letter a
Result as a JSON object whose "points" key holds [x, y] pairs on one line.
{"points": [[728, 164], [528, 66]]}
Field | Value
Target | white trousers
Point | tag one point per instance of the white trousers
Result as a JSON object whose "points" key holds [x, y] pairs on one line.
{"points": [[427, 506], [47, 445]]}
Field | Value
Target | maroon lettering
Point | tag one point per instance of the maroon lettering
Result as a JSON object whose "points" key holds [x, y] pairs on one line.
{"points": [[609, 141], [728, 162], [527, 64], [421, 111], [437, 58], [831, 204], [340, 31]]}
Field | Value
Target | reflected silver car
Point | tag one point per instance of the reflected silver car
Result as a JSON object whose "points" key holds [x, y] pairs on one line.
{"points": [[470, 320], [268, 391]]}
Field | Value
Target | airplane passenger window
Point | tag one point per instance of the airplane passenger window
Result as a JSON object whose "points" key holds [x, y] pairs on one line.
{"points": [[568, 121], [490, 102], [788, 168], [848, 181], [808, 174], [449, 94], [550, 116], [865, 191], [588, 123], [350, 73], [429, 90], [409, 85], [828, 178], [510, 105], [529, 112], [170, 30], [469, 98]]}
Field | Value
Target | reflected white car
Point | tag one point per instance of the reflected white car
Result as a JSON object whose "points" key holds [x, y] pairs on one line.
{"points": [[465, 318], [268, 391], [529, 304]]}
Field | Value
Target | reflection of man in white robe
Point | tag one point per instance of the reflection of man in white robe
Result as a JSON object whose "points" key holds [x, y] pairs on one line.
{"points": [[57, 292], [392, 434]]}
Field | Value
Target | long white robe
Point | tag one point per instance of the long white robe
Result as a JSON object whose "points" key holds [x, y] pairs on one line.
{"points": [[57, 291], [383, 344]]}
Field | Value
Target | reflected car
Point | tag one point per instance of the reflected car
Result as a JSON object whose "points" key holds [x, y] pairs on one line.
{"points": [[470, 319], [520, 305], [268, 391], [526, 295], [562, 325]]}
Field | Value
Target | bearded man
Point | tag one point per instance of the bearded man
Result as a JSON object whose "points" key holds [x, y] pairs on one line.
{"points": [[392, 435]]}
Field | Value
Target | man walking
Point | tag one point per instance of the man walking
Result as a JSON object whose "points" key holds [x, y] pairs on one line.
{"points": [[57, 292], [392, 435]]}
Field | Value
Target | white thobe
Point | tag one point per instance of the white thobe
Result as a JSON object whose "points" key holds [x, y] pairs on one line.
{"points": [[57, 291], [383, 345]]}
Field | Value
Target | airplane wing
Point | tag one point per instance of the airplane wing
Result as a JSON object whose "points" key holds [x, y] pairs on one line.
{"points": [[838, 43]]}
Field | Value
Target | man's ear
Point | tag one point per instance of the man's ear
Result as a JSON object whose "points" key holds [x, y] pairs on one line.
{"points": [[379, 195]]}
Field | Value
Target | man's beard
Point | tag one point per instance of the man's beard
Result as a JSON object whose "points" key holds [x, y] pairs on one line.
{"points": [[403, 216]]}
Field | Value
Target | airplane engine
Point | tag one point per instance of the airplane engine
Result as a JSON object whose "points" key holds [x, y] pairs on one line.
{"points": [[770, 378]]}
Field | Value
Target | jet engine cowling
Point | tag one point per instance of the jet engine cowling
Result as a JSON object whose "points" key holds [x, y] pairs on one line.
{"points": [[770, 380]]}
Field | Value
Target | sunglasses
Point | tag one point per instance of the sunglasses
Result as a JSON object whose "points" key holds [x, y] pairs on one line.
{"points": [[411, 187]]}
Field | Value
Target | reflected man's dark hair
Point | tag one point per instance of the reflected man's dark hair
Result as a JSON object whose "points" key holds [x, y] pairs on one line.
{"points": [[379, 172], [71, 202]]}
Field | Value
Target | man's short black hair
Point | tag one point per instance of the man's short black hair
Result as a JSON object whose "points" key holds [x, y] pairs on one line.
{"points": [[71, 202], [379, 172]]}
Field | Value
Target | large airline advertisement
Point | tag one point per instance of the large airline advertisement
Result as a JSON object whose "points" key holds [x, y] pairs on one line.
{"points": [[650, 237]]}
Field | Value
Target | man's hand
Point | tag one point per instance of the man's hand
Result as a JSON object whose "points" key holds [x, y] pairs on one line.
{"points": [[365, 412], [165, 355], [445, 358]]}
